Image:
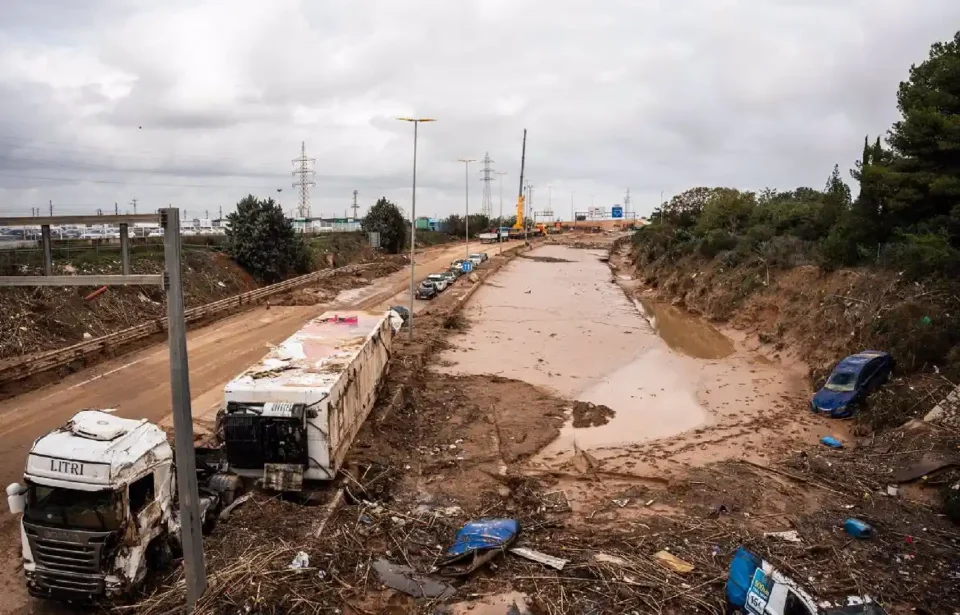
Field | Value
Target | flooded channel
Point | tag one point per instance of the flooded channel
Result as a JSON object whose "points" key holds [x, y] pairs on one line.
{"points": [[558, 319]]}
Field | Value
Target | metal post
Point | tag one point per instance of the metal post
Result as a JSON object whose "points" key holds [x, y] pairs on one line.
{"points": [[466, 219], [190, 523], [47, 250], [500, 218], [413, 228], [124, 249]]}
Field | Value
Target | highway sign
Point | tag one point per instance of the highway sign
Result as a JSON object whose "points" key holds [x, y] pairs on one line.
{"points": [[616, 211]]}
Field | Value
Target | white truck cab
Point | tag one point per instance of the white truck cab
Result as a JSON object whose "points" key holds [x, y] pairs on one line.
{"points": [[98, 505]]}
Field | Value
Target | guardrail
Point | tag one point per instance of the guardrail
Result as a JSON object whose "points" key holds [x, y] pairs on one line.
{"points": [[53, 359]]}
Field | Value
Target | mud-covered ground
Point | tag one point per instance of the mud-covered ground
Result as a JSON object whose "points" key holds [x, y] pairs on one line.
{"points": [[444, 448]]}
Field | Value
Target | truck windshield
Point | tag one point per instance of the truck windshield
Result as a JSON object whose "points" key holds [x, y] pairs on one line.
{"points": [[72, 508]]}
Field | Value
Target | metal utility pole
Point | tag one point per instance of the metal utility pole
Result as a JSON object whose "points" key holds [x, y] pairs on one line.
{"points": [[51, 209], [500, 217], [188, 495], [355, 206], [413, 214], [486, 206], [116, 209], [661, 207], [134, 203], [221, 213], [304, 173], [466, 220]]}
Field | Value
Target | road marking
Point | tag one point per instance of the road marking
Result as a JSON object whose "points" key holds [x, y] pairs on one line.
{"points": [[112, 371]]}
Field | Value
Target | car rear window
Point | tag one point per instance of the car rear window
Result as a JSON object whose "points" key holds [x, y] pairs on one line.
{"points": [[842, 382]]}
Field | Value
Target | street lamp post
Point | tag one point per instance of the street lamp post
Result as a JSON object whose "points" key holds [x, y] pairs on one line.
{"points": [[413, 214], [466, 220], [500, 219]]}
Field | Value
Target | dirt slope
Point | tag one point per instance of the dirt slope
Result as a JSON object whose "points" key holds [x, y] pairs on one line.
{"points": [[38, 319]]}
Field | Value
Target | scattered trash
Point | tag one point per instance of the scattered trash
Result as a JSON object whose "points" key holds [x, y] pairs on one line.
{"points": [[893, 490], [788, 536], [648, 502], [225, 513], [477, 543], [604, 558], [926, 466], [715, 552], [541, 558], [221, 284], [831, 442], [622, 503], [717, 510], [673, 562], [95, 293], [857, 528], [87, 336], [366, 520], [300, 560], [409, 581]]}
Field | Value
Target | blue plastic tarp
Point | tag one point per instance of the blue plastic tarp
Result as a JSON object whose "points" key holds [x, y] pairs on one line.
{"points": [[483, 535]]}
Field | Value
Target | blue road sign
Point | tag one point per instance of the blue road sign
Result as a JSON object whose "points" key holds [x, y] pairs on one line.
{"points": [[467, 266], [616, 211]]}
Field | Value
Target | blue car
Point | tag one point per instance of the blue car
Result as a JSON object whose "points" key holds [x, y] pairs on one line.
{"points": [[850, 383]]}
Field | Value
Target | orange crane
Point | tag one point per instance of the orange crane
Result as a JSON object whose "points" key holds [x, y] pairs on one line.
{"points": [[520, 210]]}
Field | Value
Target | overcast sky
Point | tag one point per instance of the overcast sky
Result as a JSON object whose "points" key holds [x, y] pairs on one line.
{"points": [[197, 103]]}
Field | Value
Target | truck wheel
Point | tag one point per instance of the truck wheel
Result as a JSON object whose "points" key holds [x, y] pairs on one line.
{"points": [[159, 554], [209, 522]]}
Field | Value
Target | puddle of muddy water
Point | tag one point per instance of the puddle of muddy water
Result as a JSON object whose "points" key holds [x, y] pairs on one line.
{"points": [[684, 332]]}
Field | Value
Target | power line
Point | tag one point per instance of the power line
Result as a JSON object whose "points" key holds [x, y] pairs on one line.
{"points": [[86, 149], [126, 183], [305, 175]]}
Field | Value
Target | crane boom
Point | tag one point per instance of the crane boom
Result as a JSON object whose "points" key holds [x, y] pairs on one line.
{"points": [[523, 160]]}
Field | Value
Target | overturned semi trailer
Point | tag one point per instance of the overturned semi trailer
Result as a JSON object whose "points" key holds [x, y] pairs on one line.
{"points": [[293, 415]]}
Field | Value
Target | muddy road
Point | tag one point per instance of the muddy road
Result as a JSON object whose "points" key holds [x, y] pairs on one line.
{"points": [[137, 385]]}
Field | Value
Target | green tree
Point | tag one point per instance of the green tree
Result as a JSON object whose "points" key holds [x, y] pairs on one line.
{"points": [[684, 209], [925, 173], [263, 241], [836, 198], [727, 209], [385, 218]]}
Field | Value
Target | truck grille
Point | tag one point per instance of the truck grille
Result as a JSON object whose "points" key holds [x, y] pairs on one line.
{"points": [[67, 560]]}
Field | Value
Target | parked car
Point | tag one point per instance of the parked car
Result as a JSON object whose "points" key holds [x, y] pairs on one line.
{"points": [[476, 259], [426, 290], [851, 381], [439, 281], [449, 276]]}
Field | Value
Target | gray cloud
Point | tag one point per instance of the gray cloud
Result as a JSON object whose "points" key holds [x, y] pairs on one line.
{"points": [[197, 103]]}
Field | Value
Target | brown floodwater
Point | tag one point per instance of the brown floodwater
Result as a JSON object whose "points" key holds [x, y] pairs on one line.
{"points": [[567, 327], [685, 333]]}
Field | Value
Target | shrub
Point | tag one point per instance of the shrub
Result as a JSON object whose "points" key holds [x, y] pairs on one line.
{"points": [[715, 242], [922, 255]]}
